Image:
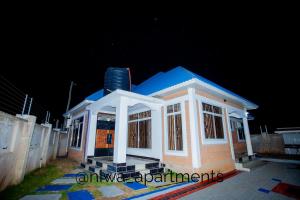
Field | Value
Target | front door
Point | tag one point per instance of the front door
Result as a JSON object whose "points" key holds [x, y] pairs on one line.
{"points": [[104, 143]]}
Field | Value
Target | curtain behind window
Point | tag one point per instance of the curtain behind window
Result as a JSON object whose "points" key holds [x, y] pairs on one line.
{"points": [[179, 145], [132, 134], [144, 134], [171, 132], [208, 125]]}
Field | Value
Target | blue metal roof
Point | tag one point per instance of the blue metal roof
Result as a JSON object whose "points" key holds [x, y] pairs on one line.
{"points": [[95, 96], [163, 80]]}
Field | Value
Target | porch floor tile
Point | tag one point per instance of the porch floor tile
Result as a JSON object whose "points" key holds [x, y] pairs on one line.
{"points": [[111, 191]]}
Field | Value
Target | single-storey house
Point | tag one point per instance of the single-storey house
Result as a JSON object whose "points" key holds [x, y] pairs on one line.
{"points": [[178, 118]]}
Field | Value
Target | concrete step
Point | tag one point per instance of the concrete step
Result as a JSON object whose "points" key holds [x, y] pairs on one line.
{"points": [[249, 165], [245, 158], [254, 164], [94, 169], [85, 165]]}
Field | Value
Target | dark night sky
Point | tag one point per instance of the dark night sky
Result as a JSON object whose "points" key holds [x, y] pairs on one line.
{"points": [[256, 58]]}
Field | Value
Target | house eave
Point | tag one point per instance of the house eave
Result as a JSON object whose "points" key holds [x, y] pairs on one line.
{"points": [[82, 104], [196, 82]]}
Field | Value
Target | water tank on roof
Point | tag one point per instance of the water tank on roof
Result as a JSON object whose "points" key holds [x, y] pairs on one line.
{"points": [[116, 78]]}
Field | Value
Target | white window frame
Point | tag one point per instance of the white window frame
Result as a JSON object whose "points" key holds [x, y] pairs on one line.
{"points": [[139, 120], [235, 120], [205, 140], [82, 132], [181, 101], [237, 132]]}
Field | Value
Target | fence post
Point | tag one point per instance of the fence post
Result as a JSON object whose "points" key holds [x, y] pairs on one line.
{"points": [[30, 106], [55, 151], [24, 105], [22, 146], [47, 132]]}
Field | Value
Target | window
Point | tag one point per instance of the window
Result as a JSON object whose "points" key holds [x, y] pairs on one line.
{"points": [[240, 130], [139, 130], [213, 121], [174, 127], [237, 125], [77, 132]]}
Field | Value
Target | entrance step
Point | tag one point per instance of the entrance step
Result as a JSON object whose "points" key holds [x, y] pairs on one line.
{"points": [[82, 165], [99, 164], [249, 165], [245, 158], [152, 165], [94, 169], [90, 161], [130, 169], [131, 174]]}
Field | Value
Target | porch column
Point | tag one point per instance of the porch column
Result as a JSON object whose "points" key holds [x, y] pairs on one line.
{"points": [[120, 140], [247, 136], [229, 134], [194, 128], [91, 134]]}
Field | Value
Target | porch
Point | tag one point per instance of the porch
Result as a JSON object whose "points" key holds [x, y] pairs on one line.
{"points": [[121, 104]]}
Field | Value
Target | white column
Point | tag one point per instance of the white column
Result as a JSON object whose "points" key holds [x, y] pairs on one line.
{"points": [[91, 134], [229, 134], [247, 136], [156, 131], [194, 128], [120, 143]]}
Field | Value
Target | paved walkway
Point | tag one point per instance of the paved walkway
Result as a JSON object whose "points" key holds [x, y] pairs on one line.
{"points": [[246, 185]]}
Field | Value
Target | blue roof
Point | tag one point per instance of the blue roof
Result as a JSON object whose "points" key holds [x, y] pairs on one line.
{"points": [[163, 80], [95, 96]]}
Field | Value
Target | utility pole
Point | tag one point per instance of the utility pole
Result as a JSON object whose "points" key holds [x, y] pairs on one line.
{"points": [[70, 95], [69, 101]]}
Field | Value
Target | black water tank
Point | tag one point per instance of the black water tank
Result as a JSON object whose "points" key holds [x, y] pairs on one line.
{"points": [[116, 78]]}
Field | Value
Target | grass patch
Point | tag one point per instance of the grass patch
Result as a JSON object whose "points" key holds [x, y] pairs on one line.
{"points": [[36, 179]]}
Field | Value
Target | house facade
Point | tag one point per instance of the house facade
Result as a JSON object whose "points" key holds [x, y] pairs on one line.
{"points": [[177, 117]]}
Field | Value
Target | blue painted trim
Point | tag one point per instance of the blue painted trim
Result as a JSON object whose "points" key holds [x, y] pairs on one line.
{"points": [[155, 191], [264, 190]]}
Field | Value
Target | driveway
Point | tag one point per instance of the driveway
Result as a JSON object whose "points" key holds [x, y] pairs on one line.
{"points": [[246, 185]]}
